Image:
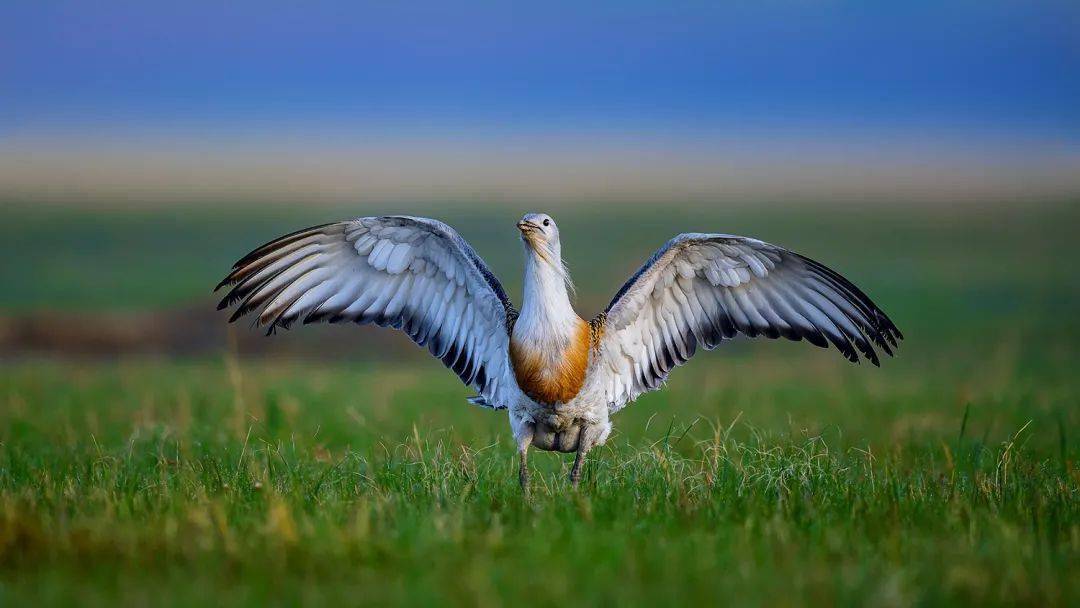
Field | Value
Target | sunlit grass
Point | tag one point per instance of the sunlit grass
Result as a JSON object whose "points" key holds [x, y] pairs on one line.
{"points": [[186, 483]]}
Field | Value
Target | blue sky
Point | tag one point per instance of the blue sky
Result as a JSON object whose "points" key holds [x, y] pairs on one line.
{"points": [[624, 100], [979, 66]]}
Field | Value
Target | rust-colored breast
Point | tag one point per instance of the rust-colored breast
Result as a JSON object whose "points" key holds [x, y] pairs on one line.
{"points": [[550, 378]]}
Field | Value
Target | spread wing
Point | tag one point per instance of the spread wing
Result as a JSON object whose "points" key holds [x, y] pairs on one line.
{"points": [[700, 289], [413, 274]]}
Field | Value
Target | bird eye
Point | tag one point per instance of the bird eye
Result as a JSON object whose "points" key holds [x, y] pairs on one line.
{"points": [[547, 222]]}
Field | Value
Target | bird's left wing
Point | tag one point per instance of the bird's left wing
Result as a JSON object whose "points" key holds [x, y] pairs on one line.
{"points": [[413, 274], [704, 288]]}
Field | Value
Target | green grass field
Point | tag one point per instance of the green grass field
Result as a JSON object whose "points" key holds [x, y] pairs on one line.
{"points": [[766, 473]]}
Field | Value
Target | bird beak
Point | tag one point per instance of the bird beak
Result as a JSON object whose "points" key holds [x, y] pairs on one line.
{"points": [[527, 227]]}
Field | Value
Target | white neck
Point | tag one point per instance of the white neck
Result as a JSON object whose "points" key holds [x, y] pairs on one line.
{"points": [[546, 312]]}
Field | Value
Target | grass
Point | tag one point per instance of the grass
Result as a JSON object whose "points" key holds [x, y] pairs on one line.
{"points": [[765, 473], [185, 482]]}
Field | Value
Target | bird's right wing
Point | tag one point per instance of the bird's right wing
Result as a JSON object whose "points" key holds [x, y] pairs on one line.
{"points": [[413, 274], [700, 289]]}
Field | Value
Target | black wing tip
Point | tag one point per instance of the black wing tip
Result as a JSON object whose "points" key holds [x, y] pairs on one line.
{"points": [[265, 248], [273, 326], [237, 314], [882, 338]]}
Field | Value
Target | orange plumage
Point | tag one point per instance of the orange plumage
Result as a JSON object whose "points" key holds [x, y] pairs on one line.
{"points": [[553, 377]]}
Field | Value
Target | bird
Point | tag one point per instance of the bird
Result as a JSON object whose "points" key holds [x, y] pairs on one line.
{"points": [[559, 377]]}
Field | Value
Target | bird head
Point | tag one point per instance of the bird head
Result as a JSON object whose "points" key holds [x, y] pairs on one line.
{"points": [[541, 238], [540, 233]]}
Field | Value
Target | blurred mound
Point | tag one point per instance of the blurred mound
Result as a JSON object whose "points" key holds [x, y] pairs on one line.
{"points": [[190, 331]]}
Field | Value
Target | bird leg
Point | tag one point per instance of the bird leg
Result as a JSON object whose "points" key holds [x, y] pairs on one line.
{"points": [[523, 467], [575, 472], [585, 442], [523, 472]]}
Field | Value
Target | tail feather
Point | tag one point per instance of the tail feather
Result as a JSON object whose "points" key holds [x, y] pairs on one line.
{"points": [[482, 402]]}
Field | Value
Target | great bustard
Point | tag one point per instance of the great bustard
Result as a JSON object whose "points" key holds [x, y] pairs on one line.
{"points": [[559, 376]]}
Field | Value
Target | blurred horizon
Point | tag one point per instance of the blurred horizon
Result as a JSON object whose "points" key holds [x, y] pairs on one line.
{"points": [[639, 102]]}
